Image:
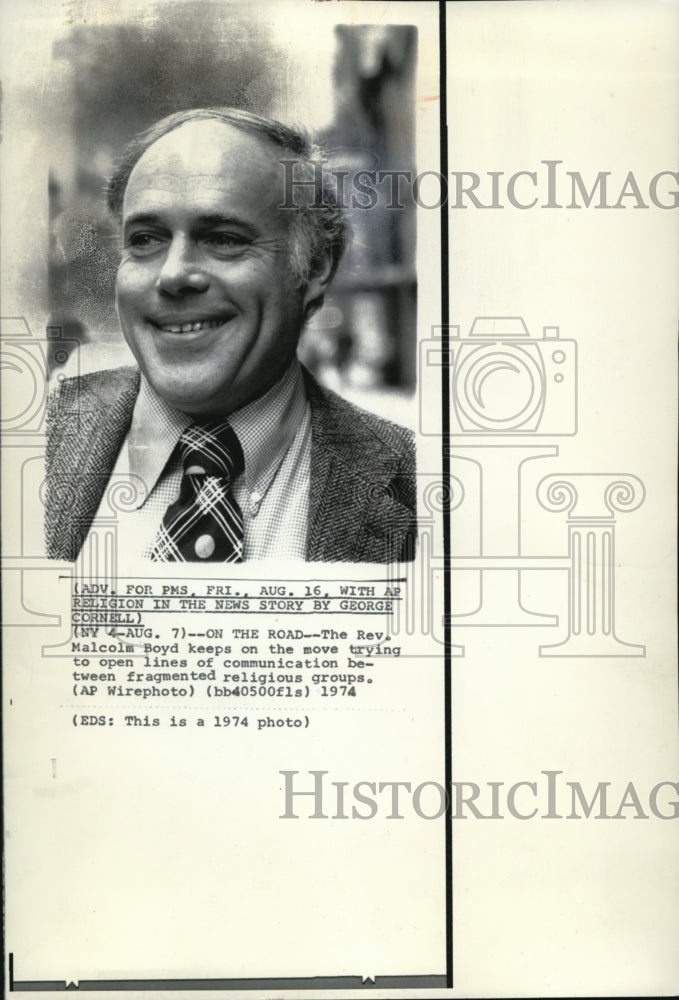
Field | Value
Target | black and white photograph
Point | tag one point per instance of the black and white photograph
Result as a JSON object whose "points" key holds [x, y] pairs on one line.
{"points": [[338, 453], [322, 266]]}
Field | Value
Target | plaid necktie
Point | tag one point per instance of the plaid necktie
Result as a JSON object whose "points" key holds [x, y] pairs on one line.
{"points": [[205, 523]]}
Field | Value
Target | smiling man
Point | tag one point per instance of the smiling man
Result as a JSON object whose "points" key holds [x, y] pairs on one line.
{"points": [[233, 450]]}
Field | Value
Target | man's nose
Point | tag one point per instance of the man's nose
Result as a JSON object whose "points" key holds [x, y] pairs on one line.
{"points": [[181, 271]]}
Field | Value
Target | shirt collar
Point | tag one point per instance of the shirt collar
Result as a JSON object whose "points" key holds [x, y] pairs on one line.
{"points": [[265, 427]]}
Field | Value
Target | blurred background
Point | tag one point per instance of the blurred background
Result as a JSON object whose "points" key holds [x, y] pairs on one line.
{"points": [[353, 85]]}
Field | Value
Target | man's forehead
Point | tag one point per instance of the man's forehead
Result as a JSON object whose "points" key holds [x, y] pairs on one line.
{"points": [[209, 158]]}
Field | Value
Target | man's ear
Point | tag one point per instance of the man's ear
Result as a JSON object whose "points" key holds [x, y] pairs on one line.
{"points": [[321, 275]]}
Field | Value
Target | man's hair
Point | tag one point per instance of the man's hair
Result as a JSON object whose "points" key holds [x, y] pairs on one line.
{"points": [[318, 227]]}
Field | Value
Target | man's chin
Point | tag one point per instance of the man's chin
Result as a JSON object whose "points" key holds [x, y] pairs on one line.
{"points": [[196, 394], [194, 399]]}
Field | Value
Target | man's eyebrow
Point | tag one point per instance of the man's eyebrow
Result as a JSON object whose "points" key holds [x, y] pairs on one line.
{"points": [[217, 219], [142, 219]]}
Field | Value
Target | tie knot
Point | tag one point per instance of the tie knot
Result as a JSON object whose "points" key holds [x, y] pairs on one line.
{"points": [[212, 449]]}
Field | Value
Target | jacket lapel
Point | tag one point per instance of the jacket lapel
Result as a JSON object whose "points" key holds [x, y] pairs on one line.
{"points": [[88, 422], [354, 511]]}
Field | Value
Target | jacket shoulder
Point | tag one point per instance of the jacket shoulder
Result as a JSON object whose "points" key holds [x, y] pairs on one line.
{"points": [[363, 486], [81, 405], [346, 422], [87, 419], [103, 385]]}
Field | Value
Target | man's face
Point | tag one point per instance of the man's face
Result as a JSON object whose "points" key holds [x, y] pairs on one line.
{"points": [[205, 295]]}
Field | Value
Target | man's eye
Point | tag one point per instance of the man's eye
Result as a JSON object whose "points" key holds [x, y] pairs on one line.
{"points": [[143, 242], [226, 241]]}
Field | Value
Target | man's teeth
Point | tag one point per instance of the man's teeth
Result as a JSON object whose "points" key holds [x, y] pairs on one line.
{"points": [[206, 324]]}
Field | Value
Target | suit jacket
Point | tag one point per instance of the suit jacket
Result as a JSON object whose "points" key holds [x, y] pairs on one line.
{"points": [[362, 493]]}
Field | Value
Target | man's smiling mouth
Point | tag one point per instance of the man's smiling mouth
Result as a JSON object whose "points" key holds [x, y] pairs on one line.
{"points": [[190, 327]]}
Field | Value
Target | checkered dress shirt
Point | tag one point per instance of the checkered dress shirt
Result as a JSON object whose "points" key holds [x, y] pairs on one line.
{"points": [[273, 491]]}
